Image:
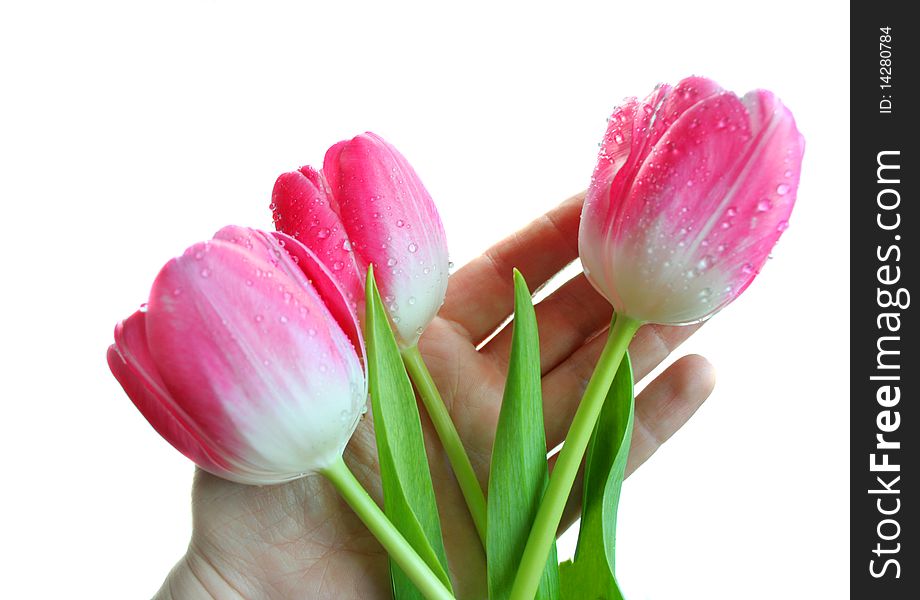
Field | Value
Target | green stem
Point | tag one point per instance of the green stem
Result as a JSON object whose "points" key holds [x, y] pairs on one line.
{"points": [[447, 433], [385, 532], [546, 523]]}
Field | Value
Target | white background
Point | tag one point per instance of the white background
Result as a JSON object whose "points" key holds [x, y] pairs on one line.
{"points": [[130, 130]]}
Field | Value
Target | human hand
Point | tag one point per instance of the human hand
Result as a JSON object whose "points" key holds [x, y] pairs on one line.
{"points": [[301, 540]]}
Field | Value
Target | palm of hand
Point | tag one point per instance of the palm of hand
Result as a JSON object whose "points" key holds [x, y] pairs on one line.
{"points": [[300, 540]]}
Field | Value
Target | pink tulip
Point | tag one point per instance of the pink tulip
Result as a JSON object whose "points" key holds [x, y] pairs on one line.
{"points": [[692, 189], [247, 358], [368, 206]]}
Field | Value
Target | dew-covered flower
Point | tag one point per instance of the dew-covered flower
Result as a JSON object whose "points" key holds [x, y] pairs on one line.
{"points": [[368, 206], [692, 189]]}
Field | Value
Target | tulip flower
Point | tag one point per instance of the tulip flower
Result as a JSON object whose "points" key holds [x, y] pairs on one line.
{"points": [[368, 207], [248, 360], [692, 189]]}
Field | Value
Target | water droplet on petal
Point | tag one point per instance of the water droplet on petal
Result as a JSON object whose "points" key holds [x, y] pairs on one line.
{"points": [[322, 233], [206, 272], [391, 261], [732, 211], [346, 246], [782, 226], [413, 248], [143, 307], [282, 319], [338, 265], [747, 269], [763, 206], [177, 291], [782, 189], [411, 300]]}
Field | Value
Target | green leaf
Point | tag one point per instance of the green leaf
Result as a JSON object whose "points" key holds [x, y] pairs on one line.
{"points": [[592, 573], [408, 495], [518, 475]]}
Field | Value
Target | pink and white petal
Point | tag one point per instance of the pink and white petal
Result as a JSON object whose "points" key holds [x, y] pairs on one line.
{"points": [[663, 238], [393, 224]]}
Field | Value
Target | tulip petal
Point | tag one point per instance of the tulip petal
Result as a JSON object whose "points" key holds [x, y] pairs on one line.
{"points": [[255, 358], [771, 173], [616, 147], [674, 102], [305, 209], [678, 197], [328, 287], [632, 131], [299, 263], [131, 364], [393, 224]]}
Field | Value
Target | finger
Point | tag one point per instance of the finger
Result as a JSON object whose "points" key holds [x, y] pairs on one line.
{"points": [[661, 409], [564, 386], [667, 403], [480, 296], [568, 318]]}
